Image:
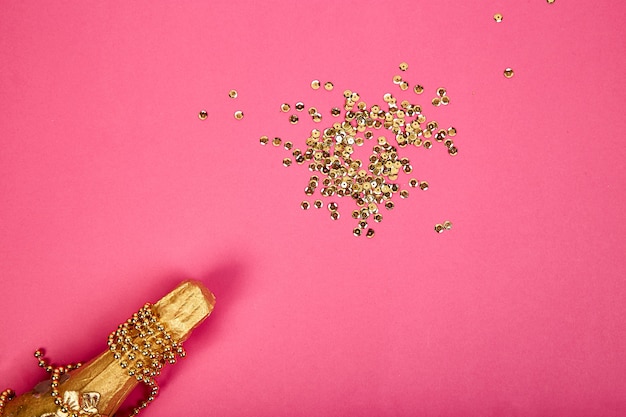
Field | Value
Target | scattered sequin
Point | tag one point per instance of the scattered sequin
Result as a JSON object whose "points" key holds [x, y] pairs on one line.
{"points": [[315, 84], [203, 115], [497, 17], [328, 85], [238, 115], [508, 73], [232, 94]]}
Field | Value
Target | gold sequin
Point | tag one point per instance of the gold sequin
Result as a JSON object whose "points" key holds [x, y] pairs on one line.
{"points": [[439, 228], [451, 131], [238, 115], [436, 102], [203, 115], [413, 183], [378, 217], [293, 119], [318, 204], [305, 205], [453, 150], [423, 185], [299, 106], [333, 206], [397, 79], [328, 85], [287, 162], [447, 225], [232, 94], [334, 215], [404, 86], [356, 232], [335, 111], [389, 205], [288, 145], [550, 1], [445, 100], [508, 73], [277, 141], [404, 194], [441, 91], [370, 233], [403, 66], [418, 89], [264, 140], [315, 84], [497, 17]]}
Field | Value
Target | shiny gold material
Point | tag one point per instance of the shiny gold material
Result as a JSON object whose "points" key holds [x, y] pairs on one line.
{"points": [[315, 84], [370, 233], [304, 205], [293, 119], [288, 145], [404, 86], [137, 351], [451, 131], [404, 193], [264, 140], [418, 89], [453, 150], [203, 115], [276, 141], [423, 185], [232, 94], [356, 232], [287, 162], [550, 1], [403, 66], [447, 225], [378, 217], [508, 73], [445, 100], [299, 106], [397, 79], [318, 204], [334, 215], [285, 107], [328, 86], [333, 206], [413, 183], [497, 17], [439, 228], [389, 205], [238, 115], [436, 102]]}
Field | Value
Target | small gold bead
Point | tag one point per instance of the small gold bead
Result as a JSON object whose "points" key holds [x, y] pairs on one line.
{"points": [[497, 17], [439, 228], [232, 94], [403, 66], [328, 85], [315, 84], [238, 115], [508, 73], [203, 115], [285, 107]]}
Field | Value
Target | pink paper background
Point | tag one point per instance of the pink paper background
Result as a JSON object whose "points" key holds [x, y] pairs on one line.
{"points": [[112, 190]]}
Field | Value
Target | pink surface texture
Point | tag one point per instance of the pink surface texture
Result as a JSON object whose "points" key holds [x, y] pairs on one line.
{"points": [[112, 190]]}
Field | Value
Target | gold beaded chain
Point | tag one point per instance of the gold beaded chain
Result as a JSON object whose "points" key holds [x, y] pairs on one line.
{"points": [[6, 396], [143, 346], [56, 372]]}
